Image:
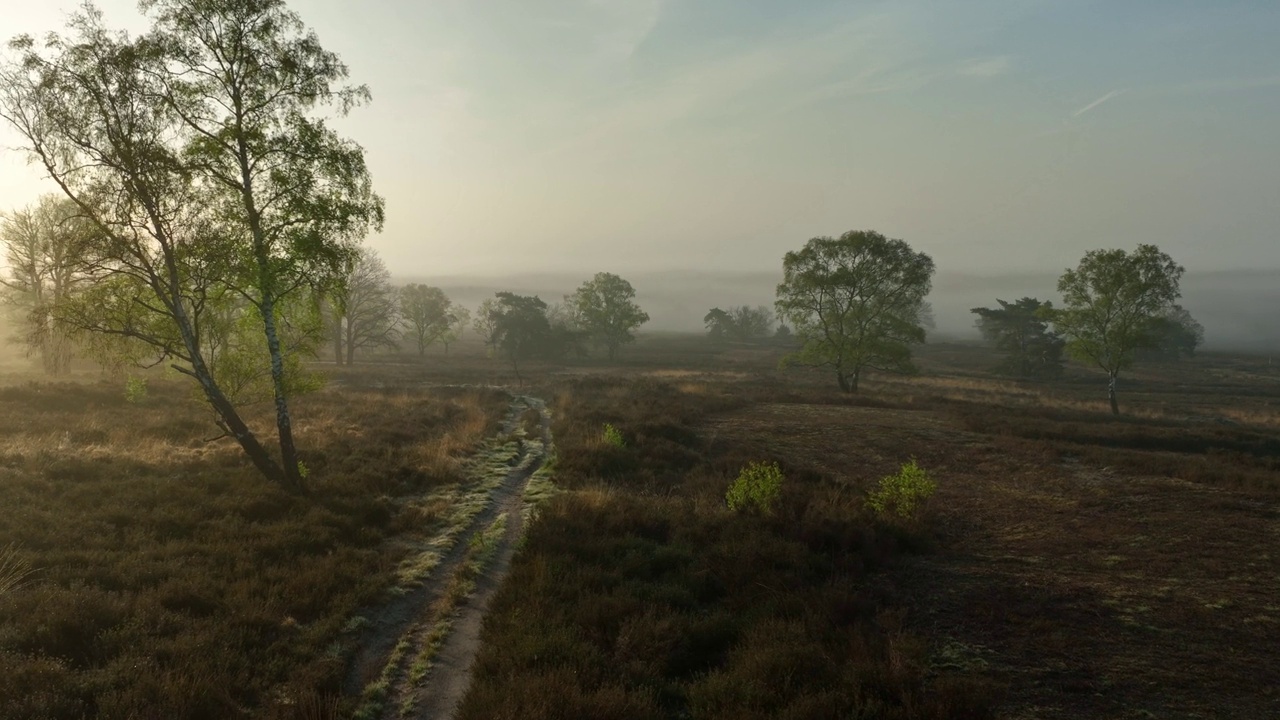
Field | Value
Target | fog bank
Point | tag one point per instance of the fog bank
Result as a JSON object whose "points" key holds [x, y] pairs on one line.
{"points": [[1237, 308]]}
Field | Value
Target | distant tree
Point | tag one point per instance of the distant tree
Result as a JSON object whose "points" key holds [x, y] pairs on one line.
{"points": [[719, 324], [1021, 331], [855, 302], [45, 248], [740, 322], [1173, 336], [521, 328], [750, 323], [605, 309], [1113, 303], [562, 314], [364, 309], [485, 323], [427, 313], [460, 320]]}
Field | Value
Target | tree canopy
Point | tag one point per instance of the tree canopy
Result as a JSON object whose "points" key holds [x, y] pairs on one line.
{"points": [[485, 323], [364, 307], [44, 247], [605, 309], [198, 154], [740, 322], [855, 302], [1021, 330], [1172, 336], [1112, 305], [520, 326], [428, 315]]}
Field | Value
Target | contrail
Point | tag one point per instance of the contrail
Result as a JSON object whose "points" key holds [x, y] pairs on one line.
{"points": [[1096, 103]]}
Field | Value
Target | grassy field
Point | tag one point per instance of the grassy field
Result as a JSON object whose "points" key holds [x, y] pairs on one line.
{"points": [[169, 581], [1071, 564]]}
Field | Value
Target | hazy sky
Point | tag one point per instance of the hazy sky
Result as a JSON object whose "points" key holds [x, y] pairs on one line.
{"points": [[582, 135]]}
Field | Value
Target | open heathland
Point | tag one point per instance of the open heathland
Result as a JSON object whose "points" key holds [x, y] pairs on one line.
{"points": [[168, 580], [1069, 564]]}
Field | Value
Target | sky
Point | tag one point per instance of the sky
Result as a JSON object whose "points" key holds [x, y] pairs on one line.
{"points": [[999, 136]]}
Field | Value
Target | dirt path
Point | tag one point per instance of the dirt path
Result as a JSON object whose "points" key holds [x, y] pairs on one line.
{"points": [[415, 659]]}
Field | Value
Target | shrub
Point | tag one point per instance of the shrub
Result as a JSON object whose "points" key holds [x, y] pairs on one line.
{"points": [[135, 389], [758, 485], [613, 436], [902, 494]]}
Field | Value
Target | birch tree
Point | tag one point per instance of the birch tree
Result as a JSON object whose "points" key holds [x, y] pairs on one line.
{"points": [[856, 302], [198, 154], [1111, 304]]}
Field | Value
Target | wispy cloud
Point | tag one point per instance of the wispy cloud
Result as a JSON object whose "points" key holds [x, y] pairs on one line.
{"points": [[1096, 103], [622, 26], [985, 67], [768, 72]]}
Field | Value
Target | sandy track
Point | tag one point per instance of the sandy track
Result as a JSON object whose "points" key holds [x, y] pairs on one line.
{"points": [[415, 659]]}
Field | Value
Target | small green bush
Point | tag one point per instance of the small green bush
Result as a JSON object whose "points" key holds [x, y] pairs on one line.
{"points": [[758, 486], [135, 389], [902, 494], [613, 436]]}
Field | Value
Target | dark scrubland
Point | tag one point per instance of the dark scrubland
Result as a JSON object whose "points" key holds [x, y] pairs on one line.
{"points": [[169, 580], [1071, 564]]}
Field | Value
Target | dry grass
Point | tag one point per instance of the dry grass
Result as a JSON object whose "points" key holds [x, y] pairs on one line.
{"points": [[1091, 566], [15, 570], [172, 581], [639, 594], [1070, 564]]}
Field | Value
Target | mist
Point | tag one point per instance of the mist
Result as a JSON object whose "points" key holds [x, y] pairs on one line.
{"points": [[1236, 308]]}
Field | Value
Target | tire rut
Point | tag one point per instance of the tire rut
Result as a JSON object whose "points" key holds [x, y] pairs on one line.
{"points": [[427, 621]]}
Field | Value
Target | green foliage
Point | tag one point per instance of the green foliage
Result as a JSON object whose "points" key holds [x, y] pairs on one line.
{"points": [[428, 314], [741, 322], [758, 486], [198, 182], [1173, 335], [522, 331], [1114, 304], [135, 389], [613, 436], [856, 302], [1112, 299], [239, 359], [904, 493], [1020, 329], [604, 307]]}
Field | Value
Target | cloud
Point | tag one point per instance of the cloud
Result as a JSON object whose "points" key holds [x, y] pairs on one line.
{"points": [[622, 26], [1096, 103], [766, 74], [984, 67]]}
